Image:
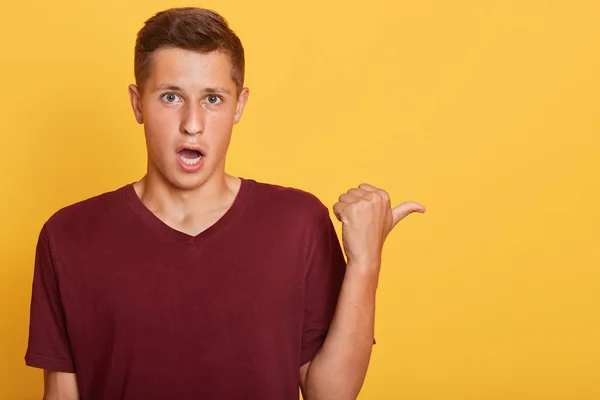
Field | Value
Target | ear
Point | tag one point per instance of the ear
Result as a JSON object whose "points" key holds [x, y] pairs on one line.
{"points": [[135, 98], [241, 104]]}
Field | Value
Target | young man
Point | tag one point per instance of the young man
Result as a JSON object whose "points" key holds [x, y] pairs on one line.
{"points": [[194, 284]]}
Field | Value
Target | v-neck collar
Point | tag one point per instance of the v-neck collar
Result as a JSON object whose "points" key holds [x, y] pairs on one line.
{"points": [[158, 226]]}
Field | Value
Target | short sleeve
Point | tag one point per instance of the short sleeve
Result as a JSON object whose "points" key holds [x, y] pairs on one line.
{"points": [[48, 345], [325, 274]]}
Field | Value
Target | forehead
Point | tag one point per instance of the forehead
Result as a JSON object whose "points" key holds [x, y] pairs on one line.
{"points": [[187, 68]]}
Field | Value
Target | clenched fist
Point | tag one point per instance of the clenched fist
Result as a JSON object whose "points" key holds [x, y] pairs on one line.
{"points": [[367, 219]]}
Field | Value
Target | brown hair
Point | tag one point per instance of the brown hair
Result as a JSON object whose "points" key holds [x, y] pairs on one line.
{"points": [[188, 28]]}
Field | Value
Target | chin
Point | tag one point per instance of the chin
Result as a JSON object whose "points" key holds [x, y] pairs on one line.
{"points": [[189, 183]]}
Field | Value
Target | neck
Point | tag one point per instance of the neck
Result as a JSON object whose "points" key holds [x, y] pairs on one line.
{"points": [[163, 198]]}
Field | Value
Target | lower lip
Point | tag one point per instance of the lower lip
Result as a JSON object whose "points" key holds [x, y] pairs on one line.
{"points": [[190, 167]]}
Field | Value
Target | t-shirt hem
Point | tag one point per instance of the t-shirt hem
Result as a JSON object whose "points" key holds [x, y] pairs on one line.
{"points": [[309, 353], [48, 363]]}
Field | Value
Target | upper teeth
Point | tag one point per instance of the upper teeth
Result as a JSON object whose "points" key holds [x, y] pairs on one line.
{"points": [[191, 161]]}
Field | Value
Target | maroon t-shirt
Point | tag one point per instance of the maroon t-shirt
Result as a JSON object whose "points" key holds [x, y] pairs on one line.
{"points": [[139, 310]]}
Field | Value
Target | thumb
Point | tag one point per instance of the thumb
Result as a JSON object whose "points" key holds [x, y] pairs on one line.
{"points": [[401, 211]]}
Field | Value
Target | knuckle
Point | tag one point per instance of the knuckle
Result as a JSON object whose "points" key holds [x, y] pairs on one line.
{"points": [[384, 195], [365, 205], [377, 199]]}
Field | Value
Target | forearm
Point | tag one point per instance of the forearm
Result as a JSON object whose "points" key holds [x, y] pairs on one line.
{"points": [[60, 386], [339, 368]]}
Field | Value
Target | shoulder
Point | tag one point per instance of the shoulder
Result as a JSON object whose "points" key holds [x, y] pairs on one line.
{"points": [[290, 215], [86, 214], [288, 199]]}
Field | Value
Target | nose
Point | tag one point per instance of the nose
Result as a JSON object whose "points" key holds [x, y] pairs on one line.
{"points": [[192, 121]]}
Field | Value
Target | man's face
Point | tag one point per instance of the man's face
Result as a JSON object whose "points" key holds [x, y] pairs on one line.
{"points": [[188, 107]]}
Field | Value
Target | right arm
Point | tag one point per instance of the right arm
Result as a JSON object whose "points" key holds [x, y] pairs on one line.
{"points": [[60, 386], [49, 347]]}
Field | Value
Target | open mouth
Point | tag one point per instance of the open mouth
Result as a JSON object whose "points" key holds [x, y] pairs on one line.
{"points": [[190, 157]]}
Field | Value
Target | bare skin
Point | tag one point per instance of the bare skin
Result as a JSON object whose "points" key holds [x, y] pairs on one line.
{"points": [[60, 386]]}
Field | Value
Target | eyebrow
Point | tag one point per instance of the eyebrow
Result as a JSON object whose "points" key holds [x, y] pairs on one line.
{"points": [[216, 89], [168, 87]]}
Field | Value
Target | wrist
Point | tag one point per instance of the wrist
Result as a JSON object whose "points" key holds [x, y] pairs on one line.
{"points": [[365, 264], [363, 271]]}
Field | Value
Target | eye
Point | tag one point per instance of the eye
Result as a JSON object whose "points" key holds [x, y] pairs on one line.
{"points": [[171, 97], [213, 99]]}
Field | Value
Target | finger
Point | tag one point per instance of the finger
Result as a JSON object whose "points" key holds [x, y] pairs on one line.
{"points": [[358, 192], [338, 209], [370, 188], [349, 198], [401, 211]]}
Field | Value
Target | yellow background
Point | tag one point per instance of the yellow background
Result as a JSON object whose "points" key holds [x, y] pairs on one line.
{"points": [[487, 112]]}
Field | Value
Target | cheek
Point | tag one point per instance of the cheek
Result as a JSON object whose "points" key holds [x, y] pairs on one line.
{"points": [[158, 117], [158, 122], [158, 132], [219, 126]]}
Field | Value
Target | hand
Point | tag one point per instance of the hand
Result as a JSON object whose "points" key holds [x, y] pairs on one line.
{"points": [[367, 219]]}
